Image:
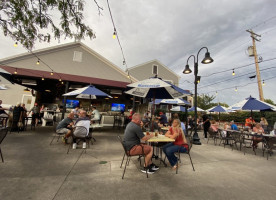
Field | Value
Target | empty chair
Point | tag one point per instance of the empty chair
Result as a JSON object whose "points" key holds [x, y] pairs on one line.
{"points": [[213, 135]]}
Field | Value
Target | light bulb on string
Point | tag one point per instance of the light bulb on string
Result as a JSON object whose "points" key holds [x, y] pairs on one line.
{"points": [[15, 72], [233, 73], [52, 73], [62, 82], [114, 34], [60, 79], [38, 62], [236, 89], [42, 78], [15, 44], [263, 83], [216, 92]]}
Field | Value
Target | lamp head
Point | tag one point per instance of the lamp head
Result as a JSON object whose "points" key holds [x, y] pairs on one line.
{"points": [[207, 59], [187, 70]]}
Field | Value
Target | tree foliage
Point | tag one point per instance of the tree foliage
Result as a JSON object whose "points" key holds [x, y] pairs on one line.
{"points": [[27, 21], [204, 101], [270, 102]]}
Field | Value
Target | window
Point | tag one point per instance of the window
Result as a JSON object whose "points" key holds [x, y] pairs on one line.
{"points": [[77, 56], [155, 69]]}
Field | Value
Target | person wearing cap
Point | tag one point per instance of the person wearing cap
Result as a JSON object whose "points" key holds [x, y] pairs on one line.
{"points": [[162, 118], [35, 115]]}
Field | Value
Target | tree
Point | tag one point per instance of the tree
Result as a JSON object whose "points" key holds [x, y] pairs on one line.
{"points": [[27, 21], [269, 101], [224, 104], [204, 101]]}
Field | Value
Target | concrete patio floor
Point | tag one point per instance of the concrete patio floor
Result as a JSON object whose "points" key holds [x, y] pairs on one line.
{"points": [[33, 169]]}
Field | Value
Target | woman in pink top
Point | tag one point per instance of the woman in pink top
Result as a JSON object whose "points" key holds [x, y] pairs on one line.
{"points": [[258, 130], [214, 126], [180, 144]]}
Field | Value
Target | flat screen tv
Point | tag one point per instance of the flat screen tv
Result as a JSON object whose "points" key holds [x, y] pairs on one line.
{"points": [[72, 103], [118, 107]]}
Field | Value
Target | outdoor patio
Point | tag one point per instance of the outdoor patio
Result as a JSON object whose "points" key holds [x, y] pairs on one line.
{"points": [[33, 169]]}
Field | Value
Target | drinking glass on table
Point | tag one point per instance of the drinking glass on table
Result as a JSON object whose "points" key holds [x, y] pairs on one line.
{"points": [[156, 132]]}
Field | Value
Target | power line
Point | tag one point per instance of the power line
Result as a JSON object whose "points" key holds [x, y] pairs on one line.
{"points": [[263, 22], [236, 68], [238, 86], [235, 77]]}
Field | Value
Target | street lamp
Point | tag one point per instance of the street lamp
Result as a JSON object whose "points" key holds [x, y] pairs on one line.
{"points": [[207, 59]]}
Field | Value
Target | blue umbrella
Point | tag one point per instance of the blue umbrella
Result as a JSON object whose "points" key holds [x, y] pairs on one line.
{"points": [[251, 103], [88, 92], [179, 109], [218, 108]]}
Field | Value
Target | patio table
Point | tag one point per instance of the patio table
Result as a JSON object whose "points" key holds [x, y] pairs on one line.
{"points": [[161, 139]]}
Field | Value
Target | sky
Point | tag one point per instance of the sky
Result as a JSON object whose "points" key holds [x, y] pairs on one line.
{"points": [[171, 31]]}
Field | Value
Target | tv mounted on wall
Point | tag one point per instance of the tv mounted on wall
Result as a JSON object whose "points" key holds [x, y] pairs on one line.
{"points": [[118, 107], [72, 103]]}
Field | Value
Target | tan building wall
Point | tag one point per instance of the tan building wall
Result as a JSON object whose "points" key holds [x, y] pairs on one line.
{"points": [[145, 71]]}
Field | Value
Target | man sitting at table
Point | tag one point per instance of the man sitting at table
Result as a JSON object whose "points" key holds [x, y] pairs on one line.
{"points": [[96, 114], [82, 121], [249, 122], [65, 127], [162, 118], [132, 136], [234, 126]]}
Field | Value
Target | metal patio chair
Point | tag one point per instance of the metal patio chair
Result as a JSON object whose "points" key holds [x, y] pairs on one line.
{"points": [[213, 135], [3, 134]]}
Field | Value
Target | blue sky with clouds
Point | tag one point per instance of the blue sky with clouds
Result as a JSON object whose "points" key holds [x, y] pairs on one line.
{"points": [[170, 31]]}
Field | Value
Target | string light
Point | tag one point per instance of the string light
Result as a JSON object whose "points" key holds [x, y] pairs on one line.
{"points": [[60, 79], [62, 82], [216, 92], [114, 34], [236, 89], [42, 78], [52, 73], [15, 44], [263, 83], [38, 62], [15, 72], [233, 73]]}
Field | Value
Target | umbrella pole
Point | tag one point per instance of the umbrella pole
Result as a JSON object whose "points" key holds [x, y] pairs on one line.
{"points": [[186, 115], [152, 122], [219, 118], [64, 100]]}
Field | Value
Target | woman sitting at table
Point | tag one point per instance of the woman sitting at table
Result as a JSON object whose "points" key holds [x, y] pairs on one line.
{"points": [[258, 130], [214, 126], [180, 144]]}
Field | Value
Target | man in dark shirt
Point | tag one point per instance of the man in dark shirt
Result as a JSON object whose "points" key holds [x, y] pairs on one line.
{"points": [[163, 118], [133, 135], [206, 124], [65, 127]]}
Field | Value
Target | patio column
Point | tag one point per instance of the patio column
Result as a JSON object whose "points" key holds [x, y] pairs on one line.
{"points": [[64, 100]]}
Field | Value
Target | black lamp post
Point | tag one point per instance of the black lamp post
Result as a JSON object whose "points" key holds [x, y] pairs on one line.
{"points": [[207, 59]]}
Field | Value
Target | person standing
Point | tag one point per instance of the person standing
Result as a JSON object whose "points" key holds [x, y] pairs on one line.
{"points": [[249, 122], [35, 115], [206, 124], [162, 118], [132, 137]]}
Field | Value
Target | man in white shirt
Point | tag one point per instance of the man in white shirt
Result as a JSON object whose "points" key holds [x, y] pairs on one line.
{"points": [[82, 126], [96, 114]]}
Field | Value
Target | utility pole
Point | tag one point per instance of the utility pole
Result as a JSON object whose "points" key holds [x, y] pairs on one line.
{"points": [[260, 87]]}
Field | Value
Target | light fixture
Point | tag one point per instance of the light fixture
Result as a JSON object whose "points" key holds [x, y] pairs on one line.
{"points": [[26, 90], [236, 89], [60, 79], [47, 90], [38, 62], [106, 98], [233, 73], [124, 62], [216, 92], [207, 58], [263, 83], [116, 97], [62, 82], [187, 70], [198, 79], [114, 34], [42, 78], [15, 72], [15, 44], [52, 73]]}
